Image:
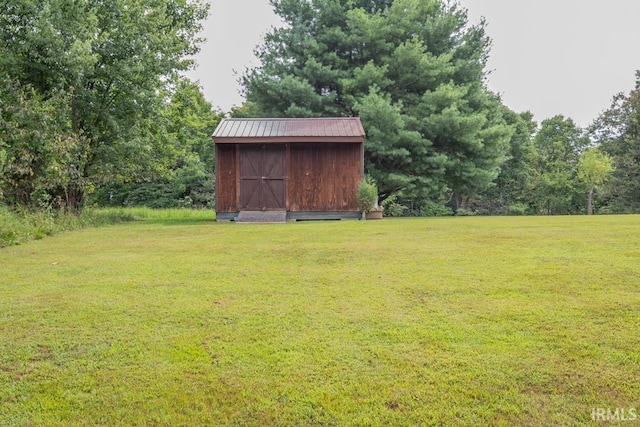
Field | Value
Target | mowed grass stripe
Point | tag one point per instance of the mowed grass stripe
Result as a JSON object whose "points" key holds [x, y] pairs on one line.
{"points": [[513, 321]]}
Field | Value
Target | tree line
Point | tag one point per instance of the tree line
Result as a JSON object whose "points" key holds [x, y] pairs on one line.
{"points": [[94, 106], [438, 141], [95, 109]]}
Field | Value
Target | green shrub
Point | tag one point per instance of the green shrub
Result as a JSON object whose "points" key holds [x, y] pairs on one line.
{"points": [[431, 208], [464, 212], [367, 196], [21, 225], [518, 209], [10, 227], [393, 208]]}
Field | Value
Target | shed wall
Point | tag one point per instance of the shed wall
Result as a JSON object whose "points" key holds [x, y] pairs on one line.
{"points": [[226, 178], [321, 177], [324, 177]]}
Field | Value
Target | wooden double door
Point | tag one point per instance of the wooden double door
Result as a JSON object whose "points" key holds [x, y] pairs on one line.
{"points": [[263, 175]]}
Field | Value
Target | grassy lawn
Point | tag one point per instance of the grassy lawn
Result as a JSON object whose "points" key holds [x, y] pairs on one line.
{"points": [[184, 321]]}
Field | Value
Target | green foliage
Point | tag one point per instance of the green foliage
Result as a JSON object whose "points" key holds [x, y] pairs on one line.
{"points": [[617, 131], [393, 208], [42, 153], [18, 226], [153, 195], [190, 188], [425, 207], [188, 176], [464, 212], [515, 185], [107, 67], [594, 169], [413, 71], [190, 122], [518, 209], [557, 189], [367, 196]]}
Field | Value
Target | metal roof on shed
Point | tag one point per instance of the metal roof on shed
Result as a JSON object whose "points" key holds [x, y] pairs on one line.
{"points": [[339, 129]]}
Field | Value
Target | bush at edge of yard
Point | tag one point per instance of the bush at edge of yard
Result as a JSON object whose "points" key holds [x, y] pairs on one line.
{"points": [[21, 225]]}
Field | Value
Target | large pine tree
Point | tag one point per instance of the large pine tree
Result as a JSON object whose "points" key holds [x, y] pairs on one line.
{"points": [[413, 70]]}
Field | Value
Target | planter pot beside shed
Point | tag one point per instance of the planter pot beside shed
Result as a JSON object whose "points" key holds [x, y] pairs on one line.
{"points": [[373, 215]]}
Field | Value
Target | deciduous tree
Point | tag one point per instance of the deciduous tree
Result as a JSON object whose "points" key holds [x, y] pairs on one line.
{"points": [[558, 144], [112, 61], [594, 169], [617, 131], [187, 121]]}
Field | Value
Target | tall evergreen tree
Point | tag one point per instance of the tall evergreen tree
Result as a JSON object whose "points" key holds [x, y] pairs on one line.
{"points": [[412, 70], [514, 188]]}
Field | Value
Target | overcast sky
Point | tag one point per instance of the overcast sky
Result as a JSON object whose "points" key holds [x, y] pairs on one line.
{"points": [[548, 56]]}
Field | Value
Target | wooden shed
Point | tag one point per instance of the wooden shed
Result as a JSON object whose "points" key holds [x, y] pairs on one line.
{"points": [[308, 168]]}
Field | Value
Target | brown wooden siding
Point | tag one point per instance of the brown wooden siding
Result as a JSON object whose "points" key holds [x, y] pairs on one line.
{"points": [[324, 177], [226, 178], [262, 177]]}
